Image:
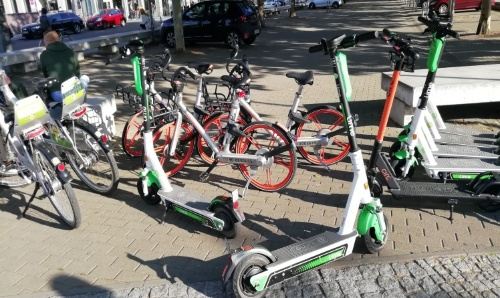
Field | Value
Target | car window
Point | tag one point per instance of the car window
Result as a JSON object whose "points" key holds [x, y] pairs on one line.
{"points": [[196, 12], [217, 9], [246, 9]]}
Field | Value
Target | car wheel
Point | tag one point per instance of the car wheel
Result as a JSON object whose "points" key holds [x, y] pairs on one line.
{"points": [[443, 9], [335, 5], [170, 39], [312, 6], [123, 23], [232, 38], [77, 29], [250, 40]]}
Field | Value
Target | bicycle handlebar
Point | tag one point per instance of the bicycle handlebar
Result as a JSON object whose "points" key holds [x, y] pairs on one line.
{"points": [[435, 26], [181, 73]]}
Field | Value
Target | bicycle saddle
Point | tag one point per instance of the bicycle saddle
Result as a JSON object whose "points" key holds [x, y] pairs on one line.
{"points": [[203, 68], [302, 78], [236, 82]]}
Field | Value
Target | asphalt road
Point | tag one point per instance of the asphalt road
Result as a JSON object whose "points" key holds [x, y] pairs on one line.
{"points": [[19, 43]]}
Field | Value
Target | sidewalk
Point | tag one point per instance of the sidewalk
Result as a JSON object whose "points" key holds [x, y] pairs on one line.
{"points": [[121, 244], [457, 276]]}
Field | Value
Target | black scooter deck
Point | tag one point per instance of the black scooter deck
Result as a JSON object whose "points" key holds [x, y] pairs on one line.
{"points": [[413, 189], [465, 152], [450, 165], [306, 246]]}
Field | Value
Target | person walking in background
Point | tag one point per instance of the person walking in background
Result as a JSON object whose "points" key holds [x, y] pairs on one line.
{"points": [[145, 19], [44, 21]]}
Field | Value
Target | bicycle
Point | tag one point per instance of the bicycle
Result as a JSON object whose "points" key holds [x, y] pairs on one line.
{"points": [[312, 130], [81, 144], [36, 161], [275, 155]]}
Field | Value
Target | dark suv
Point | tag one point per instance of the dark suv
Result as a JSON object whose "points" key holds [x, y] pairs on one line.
{"points": [[228, 21], [61, 20]]}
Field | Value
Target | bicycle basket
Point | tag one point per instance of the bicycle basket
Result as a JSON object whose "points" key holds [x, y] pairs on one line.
{"points": [[30, 113]]}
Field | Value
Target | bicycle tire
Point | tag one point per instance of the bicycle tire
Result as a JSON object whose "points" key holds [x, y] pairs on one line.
{"points": [[102, 188], [338, 150], [70, 215], [129, 144], [289, 163]]}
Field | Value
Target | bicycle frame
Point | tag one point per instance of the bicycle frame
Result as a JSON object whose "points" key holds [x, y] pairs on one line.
{"points": [[223, 156]]}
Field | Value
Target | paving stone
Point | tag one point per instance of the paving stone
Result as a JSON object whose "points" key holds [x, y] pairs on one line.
{"points": [[429, 285], [417, 271], [312, 291], [400, 270], [409, 285], [388, 282], [366, 286], [331, 289]]}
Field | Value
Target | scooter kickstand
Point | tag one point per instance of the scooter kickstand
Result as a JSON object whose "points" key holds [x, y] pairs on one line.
{"points": [[37, 186], [204, 176], [164, 217], [452, 203]]}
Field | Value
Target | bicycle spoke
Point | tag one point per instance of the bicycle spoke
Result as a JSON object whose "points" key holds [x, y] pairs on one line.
{"points": [[316, 122]]}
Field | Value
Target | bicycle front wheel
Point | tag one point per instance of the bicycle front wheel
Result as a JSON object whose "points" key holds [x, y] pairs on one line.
{"points": [[278, 171], [98, 169], [162, 138], [61, 196], [322, 121], [132, 141]]}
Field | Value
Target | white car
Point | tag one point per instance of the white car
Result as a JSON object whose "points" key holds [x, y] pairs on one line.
{"points": [[324, 3]]}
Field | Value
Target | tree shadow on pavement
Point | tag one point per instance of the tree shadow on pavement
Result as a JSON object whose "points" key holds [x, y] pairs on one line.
{"points": [[66, 285]]}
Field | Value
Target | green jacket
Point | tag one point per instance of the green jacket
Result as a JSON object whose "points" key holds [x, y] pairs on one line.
{"points": [[59, 61]]}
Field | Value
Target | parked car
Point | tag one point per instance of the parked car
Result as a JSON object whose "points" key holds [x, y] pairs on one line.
{"points": [[312, 4], [217, 20], [442, 6], [60, 20], [106, 18]]}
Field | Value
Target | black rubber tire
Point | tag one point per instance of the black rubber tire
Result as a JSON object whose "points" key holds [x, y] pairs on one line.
{"points": [[123, 23], [229, 230], [312, 6], [373, 246], [377, 187], [232, 37], [76, 218], [169, 38], [152, 198], [443, 7], [335, 5], [398, 164], [248, 266], [115, 176]]}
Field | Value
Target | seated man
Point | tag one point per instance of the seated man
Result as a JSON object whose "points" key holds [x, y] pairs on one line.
{"points": [[58, 61]]}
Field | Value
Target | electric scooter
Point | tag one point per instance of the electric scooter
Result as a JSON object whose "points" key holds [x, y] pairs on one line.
{"points": [[484, 187], [221, 214], [253, 270]]}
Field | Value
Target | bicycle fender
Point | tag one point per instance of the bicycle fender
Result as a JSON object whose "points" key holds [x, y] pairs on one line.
{"points": [[93, 130], [64, 175]]}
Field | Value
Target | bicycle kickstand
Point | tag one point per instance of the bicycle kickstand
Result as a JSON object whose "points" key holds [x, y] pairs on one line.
{"points": [[247, 185], [204, 175], [37, 186], [318, 156]]}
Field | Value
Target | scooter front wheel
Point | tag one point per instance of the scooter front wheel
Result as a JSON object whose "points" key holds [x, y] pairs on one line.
{"points": [[248, 267], [372, 244], [152, 198]]}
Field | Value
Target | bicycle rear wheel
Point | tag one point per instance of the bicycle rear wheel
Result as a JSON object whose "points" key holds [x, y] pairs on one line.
{"points": [[162, 138], [99, 172], [62, 198]]}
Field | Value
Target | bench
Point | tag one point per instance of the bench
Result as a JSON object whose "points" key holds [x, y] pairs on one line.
{"points": [[453, 86]]}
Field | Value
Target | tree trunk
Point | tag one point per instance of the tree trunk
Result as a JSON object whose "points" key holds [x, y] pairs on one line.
{"points": [[178, 30], [292, 14], [484, 25], [260, 8]]}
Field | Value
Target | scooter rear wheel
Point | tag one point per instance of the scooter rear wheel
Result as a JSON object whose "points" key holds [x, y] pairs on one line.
{"points": [[248, 267], [372, 245], [229, 230]]}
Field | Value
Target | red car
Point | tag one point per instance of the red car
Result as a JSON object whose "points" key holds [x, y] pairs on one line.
{"points": [[442, 6], [106, 18]]}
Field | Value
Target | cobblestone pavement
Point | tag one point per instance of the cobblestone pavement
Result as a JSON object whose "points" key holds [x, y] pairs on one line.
{"points": [[121, 241], [459, 276]]}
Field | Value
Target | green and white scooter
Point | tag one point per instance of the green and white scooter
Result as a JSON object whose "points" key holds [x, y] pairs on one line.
{"points": [[221, 214], [253, 269]]}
